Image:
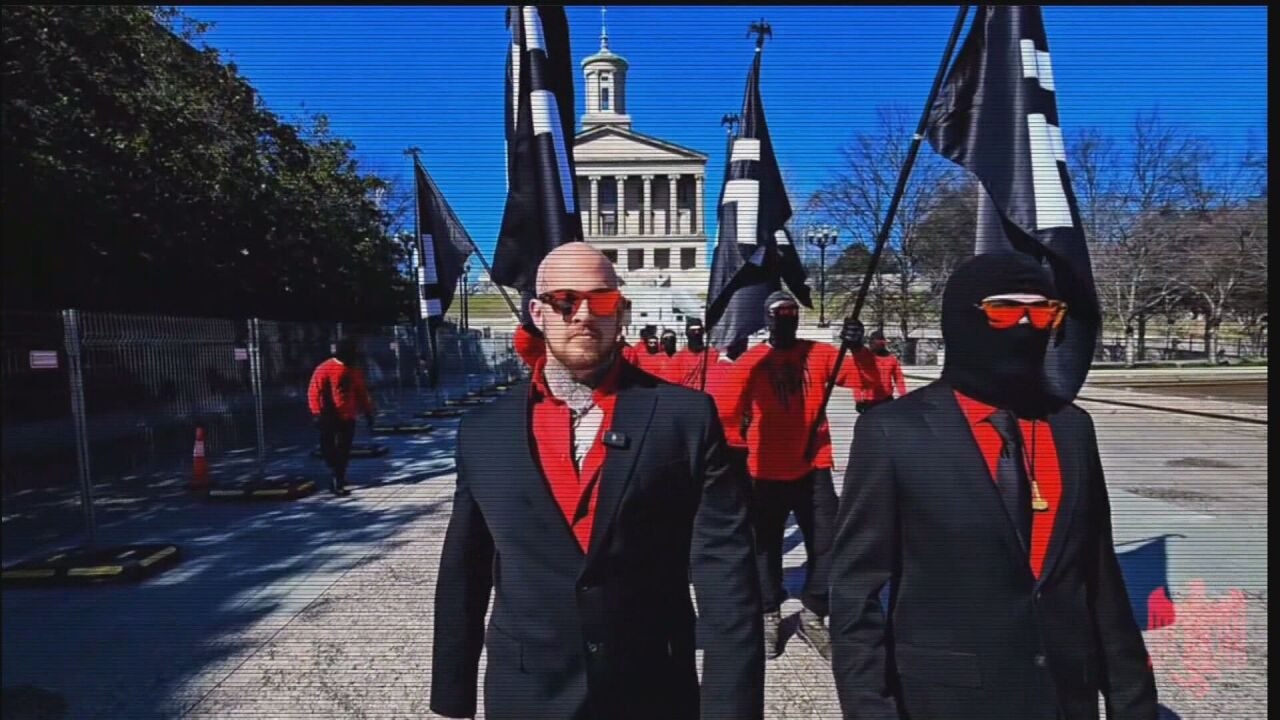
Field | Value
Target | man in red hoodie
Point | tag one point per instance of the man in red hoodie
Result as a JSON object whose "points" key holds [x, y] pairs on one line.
{"points": [[881, 371], [336, 395], [686, 366], [778, 387]]}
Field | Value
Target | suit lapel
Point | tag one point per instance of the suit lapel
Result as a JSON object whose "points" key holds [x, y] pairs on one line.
{"points": [[951, 427], [517, 463], [632, 415], [1073, 479]]}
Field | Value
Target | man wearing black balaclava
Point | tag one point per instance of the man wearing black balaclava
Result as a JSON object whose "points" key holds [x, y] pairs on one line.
{"points": [[882, 373], [669, 342], [651, 359], [981, 503], [778, 387], [686, 367]]}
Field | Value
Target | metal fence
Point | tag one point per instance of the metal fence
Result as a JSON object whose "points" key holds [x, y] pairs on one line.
{"points": [[100, 409]]}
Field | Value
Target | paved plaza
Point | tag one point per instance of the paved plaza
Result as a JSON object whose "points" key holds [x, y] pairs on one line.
{"points": [[323, 607]]}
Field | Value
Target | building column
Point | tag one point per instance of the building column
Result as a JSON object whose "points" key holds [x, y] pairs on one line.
{"points": [[646, 212], [698, 224], [593, 213]]}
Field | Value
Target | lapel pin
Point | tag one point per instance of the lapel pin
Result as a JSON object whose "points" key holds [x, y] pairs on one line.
{"points": [[615, 439]]}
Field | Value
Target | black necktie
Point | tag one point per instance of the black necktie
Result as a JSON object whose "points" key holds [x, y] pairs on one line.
{"points": [[1011, 474]]}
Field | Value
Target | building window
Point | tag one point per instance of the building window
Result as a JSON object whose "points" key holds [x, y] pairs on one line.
{"points": [[684, 194], [688, 258], [662, 258], [612, 255], [608, 194], [604, 99], [608, 224], [635, 259]]}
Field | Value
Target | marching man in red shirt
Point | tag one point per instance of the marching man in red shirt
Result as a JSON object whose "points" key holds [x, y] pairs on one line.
{"points": [[881, 371], [686, 366], [778, 388], [336, 395]]}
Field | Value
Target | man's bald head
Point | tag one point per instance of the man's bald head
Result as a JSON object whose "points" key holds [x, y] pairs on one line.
{"points": [[580, 341], [576, 266]]}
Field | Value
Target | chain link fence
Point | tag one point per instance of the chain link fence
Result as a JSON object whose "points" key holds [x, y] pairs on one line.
{"points": [[100, 409]]}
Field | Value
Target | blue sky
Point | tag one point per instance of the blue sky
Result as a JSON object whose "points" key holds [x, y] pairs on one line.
{"points": [[391, 77]]}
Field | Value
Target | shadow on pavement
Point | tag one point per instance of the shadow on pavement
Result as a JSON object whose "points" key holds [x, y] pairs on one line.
{"points": [[155, 648]]}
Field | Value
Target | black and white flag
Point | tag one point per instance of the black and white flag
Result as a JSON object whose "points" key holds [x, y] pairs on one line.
{"points": [[442, 248], [542, 204], [439, 256], [997, 115], [754, 253]]}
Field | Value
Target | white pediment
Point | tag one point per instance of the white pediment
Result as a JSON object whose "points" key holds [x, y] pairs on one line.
{"points": [[608, 144]]}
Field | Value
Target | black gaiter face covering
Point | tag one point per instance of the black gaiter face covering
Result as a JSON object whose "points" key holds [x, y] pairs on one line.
{"points": [[1003, 368], [696, 341], [669, 344], [782, 331]]}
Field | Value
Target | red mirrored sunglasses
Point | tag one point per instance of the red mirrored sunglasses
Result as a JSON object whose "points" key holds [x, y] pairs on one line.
{"points": [[1043, 314], [601, 303], [785, 311]]}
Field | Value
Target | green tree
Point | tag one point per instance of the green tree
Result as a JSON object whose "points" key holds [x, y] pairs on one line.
{"points": [[143, 174]]}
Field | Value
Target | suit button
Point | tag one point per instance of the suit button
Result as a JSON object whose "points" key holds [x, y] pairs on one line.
{"points": [[1039, 596], [593, 647], [584, 587], [1041, 661]]}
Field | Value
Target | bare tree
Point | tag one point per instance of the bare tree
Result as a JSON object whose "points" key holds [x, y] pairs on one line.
{"points": [[1123, 196], [1221, 260], [855, 199]]}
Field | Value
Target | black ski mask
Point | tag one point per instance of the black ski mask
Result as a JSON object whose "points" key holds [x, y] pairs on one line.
{"points": [[693, 330], [1004, 368], [782, 326], [669, 342], [879, 345], [649, 336]]}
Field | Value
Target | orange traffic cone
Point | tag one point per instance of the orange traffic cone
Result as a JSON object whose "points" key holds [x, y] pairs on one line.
{"points": [[199, 466]]}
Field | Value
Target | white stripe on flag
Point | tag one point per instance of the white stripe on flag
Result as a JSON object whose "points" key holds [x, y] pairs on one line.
{"points": [[746, 193], [1052, 210], [1036, 64], [515, 82], [745, 149], [429, 259], [546, 119], [533, 29]]}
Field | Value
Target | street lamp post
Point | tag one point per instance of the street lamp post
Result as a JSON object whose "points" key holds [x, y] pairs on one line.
{"points": [[466, 316], [822, 237]]}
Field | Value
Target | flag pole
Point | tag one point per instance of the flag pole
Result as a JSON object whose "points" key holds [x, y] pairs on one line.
{"points": [[729, 121], [474, 247], [883, 237]]}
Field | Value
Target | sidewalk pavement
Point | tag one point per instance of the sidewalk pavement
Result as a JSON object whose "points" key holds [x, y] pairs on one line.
{"points": [[323, 607]]}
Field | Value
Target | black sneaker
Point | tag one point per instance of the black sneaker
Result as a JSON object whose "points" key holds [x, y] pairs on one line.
{"points": [[814, 632], [772, 625]]}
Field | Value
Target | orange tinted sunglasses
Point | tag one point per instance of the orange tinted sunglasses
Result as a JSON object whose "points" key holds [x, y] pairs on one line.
{"points": [[1043, 315], [601, 303]]}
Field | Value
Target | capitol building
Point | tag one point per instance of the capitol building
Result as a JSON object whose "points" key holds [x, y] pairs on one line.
{"points": [[642, 201]]}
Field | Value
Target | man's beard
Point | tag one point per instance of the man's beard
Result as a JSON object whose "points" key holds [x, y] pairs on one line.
{"points": [[581, 355]]}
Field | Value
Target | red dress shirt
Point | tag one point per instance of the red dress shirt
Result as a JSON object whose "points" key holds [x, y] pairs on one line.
{"points": [[552, 443], [1041, 455]]}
